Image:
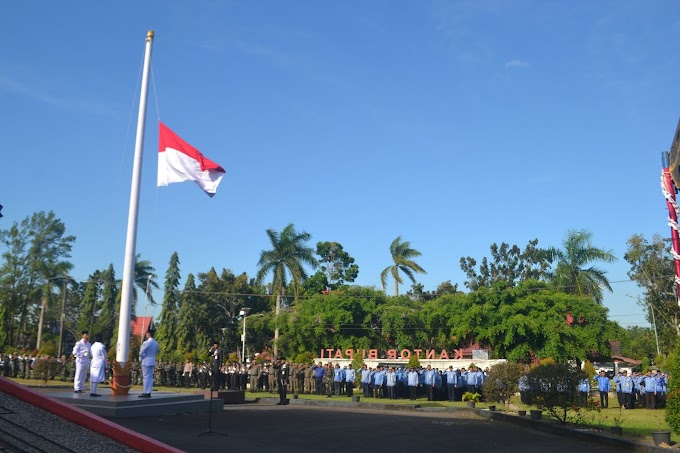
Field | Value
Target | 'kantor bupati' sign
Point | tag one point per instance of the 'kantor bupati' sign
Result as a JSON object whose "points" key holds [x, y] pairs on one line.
{"points": [[427, 354]]}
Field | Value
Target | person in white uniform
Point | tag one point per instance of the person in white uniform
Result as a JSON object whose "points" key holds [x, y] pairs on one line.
{"points": [[147, 357], [97, 365], [81, 353]]}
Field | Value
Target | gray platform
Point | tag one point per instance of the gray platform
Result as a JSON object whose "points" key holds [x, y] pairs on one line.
{"points": [[160, 403]]}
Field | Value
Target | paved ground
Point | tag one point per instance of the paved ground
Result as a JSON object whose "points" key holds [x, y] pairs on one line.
{"points": [[263, 427]]}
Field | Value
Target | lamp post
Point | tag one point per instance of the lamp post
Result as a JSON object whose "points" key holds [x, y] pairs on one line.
{"points": [[61, 321], [244, 312], [146, 295]]}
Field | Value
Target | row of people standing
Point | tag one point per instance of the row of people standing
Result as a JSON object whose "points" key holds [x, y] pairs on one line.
{"points": [[647, 391]]}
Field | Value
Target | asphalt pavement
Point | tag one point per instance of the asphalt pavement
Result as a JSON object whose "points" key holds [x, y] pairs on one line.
{"points": [[294, 428]]}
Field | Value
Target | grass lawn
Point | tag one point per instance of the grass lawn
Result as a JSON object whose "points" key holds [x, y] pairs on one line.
{"points": [[635, 422]]}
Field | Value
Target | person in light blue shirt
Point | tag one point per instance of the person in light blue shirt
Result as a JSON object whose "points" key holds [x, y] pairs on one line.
{"points": [[584, 390], [471, 380], [319, 373], [391, 382], [627, 390], [660, 386], [366, 381], [603, 388], [428, 382], [618, 379], [451, 383], [379, 382], [412, 376], [338, 376], [438, 378], [649, 385], [350, 377]]}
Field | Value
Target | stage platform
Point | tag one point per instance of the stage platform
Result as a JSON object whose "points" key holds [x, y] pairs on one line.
{"points": [[160, 403]]}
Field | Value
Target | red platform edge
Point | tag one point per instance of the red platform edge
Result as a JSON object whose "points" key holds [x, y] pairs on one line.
{"points": [[85, 419]]}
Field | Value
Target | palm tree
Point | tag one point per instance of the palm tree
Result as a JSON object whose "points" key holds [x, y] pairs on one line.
{"points": [[288, 255], [402, 255], [571, 274]]}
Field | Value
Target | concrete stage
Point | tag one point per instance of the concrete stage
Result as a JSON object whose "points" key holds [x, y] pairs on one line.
{"points": [[160, 403]]}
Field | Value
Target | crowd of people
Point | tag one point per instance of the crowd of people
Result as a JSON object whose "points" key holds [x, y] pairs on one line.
{"points": [[635, 389], [632, 390]]}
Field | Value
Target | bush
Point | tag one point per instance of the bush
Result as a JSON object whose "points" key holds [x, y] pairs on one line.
{"points": [[554, 387], [502, 382], [413, 362], [673, 399], [358, 362], [46, 369]]}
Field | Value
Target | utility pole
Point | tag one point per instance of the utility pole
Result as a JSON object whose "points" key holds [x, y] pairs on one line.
{"points": [[61, 321]]}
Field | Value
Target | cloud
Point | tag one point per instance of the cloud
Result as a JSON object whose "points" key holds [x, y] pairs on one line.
{"points": [[515, 63]]}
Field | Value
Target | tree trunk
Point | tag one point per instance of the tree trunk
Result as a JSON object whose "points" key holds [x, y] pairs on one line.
{"points": [[276, 328], [396, 287], [40, 320]]}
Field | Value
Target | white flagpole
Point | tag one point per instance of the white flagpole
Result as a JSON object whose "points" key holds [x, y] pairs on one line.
{"points": [[123, 345]]}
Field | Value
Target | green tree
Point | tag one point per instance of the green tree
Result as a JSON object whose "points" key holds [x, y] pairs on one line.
{"points": [[652, 268], [166, 334], [189, 329], [508, 264], [37, 250], [288, 256], [402, 255], [528, 320], [106, 318], [574, 272], [336, 263]]}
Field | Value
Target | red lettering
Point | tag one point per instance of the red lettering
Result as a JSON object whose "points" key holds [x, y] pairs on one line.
{"points": [[392, 354], [338, 354], [349, 353], [372, 353], [429, 354], [418, 351], [444, 355], [405, 354], [330, 353], [457, 354], [321, 354]]}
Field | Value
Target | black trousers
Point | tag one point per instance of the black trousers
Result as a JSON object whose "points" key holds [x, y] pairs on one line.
{"points": [[604, 399], [412, 391], [282, 392]]}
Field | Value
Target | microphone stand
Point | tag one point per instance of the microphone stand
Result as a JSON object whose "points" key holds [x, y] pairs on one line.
{"points": [[209, 430]]}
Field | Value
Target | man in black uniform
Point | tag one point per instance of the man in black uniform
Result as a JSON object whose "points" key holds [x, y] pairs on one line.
{"points": [[282, 374], [216, 354]]}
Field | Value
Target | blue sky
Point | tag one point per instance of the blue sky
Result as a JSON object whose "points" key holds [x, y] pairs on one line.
{"points": [[454, 124]]}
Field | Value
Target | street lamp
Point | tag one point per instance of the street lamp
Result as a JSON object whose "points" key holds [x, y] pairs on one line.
{"points": [[244, 312], [146, 295], [61, 321]]}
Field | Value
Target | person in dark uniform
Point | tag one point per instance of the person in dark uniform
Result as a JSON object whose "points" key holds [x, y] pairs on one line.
{"points": [[282, 375], [216, 364]]}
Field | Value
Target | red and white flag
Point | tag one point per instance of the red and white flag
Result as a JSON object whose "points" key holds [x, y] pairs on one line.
{"points": [[178, 161]]}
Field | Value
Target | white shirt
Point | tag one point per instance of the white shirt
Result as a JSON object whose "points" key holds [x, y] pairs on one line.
{"points": [[82, 351]]}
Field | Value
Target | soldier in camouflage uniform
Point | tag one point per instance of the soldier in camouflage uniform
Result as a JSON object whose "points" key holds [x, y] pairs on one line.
{"points": [[254, 374], [309, 379], [328, 380]]}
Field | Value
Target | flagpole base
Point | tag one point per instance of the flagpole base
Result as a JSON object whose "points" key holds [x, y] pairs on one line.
{"points": [[120, 384]]}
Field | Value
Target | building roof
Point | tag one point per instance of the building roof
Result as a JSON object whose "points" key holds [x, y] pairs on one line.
{"points": [[140, 325], [620, 358]]}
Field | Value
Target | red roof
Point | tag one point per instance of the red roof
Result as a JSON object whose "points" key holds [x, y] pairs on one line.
{"points": [[140, 325]]}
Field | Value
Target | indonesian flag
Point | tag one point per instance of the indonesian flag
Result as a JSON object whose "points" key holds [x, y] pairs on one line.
{"points": [[178, 161]]}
